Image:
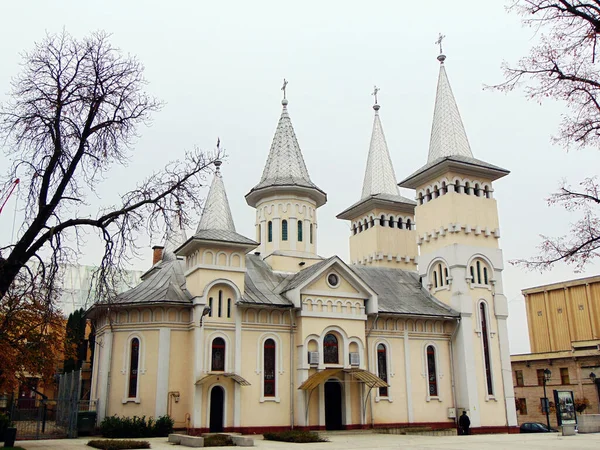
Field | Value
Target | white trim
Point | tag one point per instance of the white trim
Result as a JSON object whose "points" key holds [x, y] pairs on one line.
{"points": [[214, 267], [409, 401], [488, 396], [162, 375], [318, 293], [339, 279], [208, 353], [322, 314], [209, 401], [425, 370], [127, 364]]}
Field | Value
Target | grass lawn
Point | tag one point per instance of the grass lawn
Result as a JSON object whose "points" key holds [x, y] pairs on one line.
{"points": [[13, 448]]}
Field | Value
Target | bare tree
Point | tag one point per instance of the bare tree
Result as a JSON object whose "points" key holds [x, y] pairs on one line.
{"points": [[72, 116], [562, 66]]}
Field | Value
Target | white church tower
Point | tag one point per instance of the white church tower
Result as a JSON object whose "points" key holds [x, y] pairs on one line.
{"points": [[461, 262]]}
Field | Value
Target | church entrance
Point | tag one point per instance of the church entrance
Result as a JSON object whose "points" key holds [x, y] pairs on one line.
{"points": [[217, 403], [333, 405]]}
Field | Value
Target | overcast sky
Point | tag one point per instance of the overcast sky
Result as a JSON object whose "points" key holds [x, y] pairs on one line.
{"points": [[218, 66]]}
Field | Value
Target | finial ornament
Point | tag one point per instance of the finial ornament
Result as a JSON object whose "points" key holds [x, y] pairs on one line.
{"points": [[218, 162], [374, 94], [283, 88], [441, 57]]}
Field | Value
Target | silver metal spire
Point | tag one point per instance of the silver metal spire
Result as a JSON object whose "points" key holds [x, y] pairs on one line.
{"points": [[285, 164], [448, 136], [379, 175], [216, 214], [175, 237]]}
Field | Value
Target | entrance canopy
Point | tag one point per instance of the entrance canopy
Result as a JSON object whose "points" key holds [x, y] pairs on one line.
{"points": [[370, 379], [212, 375]]}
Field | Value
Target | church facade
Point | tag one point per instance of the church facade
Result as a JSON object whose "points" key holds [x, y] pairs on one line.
{"points": [[230, 333]]}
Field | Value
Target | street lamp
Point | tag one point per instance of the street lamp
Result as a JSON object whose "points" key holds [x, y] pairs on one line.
{"points": [[595, 380], [547, 375]]}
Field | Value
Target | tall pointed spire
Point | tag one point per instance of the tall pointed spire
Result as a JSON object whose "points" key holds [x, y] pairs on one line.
{"points": [[379, 175], [216, 214], [448, 136], [285, 166], [175, 237]]}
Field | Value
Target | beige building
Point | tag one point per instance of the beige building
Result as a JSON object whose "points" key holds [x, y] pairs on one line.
{"points": [[226, 332], [564, 327]]}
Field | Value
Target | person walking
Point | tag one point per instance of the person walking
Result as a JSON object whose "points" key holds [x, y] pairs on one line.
{"points": [[464, 423]]}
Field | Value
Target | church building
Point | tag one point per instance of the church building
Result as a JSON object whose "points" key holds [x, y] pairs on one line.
{"points": [[230, 333]]}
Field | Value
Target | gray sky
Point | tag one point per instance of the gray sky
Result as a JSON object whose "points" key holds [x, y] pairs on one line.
{"points": [[219, 67]]}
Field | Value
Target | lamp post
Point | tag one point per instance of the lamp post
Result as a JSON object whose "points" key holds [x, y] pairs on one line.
{"points": [[547, 375], [595, 380]]}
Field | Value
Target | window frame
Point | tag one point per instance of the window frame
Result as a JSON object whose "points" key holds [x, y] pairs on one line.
{"points": [[270, 231], [331, 345], [131, 376], [519, 378], [126, 367], [284, 230], [486, 348], [300, 230], [271, 381], [564, 375], [382, 357], [212, 354]]}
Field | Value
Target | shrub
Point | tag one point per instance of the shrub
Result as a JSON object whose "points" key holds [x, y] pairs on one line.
{"points": [[581, 404], [105, 444], [4, 423], [136, 427], [294, 436], [218, 440]]}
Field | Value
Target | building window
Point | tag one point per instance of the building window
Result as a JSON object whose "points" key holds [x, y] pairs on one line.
{"points": [[435, 279], [330, 349], [270, 231], [382, 368], [218, 355], [382, 220], [522, 406], [210, 306], [259, 237], [486, 349], [284, 230], [391, 222], [431, 372], [220, 303], [134, 363], [229, 308], [519, 377], [564, 375], [472, 269], [479, 272], [311, 233], [540, 376], [269, 368], [299, 230], [408, 224], [400, 223]]}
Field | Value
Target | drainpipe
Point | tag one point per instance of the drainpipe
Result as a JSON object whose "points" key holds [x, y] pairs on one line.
{"points": [[367, 358], [452, 365], [292, 374]]}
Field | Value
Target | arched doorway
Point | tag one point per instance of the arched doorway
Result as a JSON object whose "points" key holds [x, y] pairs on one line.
{"points": [[333, 405], [217, 404]]}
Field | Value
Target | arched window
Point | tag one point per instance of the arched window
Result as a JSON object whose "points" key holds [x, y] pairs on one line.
{"points": [[353, 230], [446, 275], [441, 274], [220, 303], [477, 190], [444, 189], [360, 227], [284, 230], [366, 226], [486, 349], [270, 231], [218, 355], [400, 222], [420, 198], [134, 363], [391, 222], [372, 222], [435, 280], [299, 230], [210, 305], [478, 272], [382, 220], [428, 195], [269, 368], [330, 349], [436, 191], [311, 233], [259, 234], [431, 371], [472, 274], [228, 308], [488, 193], [485, 275], [457, 186], [467, 188], [382, 368], [408, 224]]}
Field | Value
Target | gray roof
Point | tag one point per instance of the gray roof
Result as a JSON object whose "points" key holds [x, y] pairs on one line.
{"points": [[224, 236], [262, 285], [400, 292], [379, 174], [454, 158], [217, 213], [285, 165], [398, 200], [305, 274], [165, 285], [448, 135]]}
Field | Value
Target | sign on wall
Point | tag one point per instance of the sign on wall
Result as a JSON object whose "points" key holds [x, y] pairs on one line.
{"points": [[565, 407]]}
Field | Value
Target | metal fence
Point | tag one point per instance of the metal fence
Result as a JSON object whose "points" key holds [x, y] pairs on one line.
{"points": [[42, 418]]}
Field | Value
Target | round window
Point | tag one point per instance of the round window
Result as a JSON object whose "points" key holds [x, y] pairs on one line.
{"points": [[333, 280]]}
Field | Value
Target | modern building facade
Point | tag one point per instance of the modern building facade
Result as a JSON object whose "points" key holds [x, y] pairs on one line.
{"points": [[564, 327], [227, 332]]}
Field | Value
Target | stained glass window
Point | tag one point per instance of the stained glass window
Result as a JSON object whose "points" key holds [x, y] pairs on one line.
{"points": [[269, 368], [218, 355], [330, 349], [270, 231], [486, 349], [382, 368], [431, 372], [133, 367], [284, 230]]}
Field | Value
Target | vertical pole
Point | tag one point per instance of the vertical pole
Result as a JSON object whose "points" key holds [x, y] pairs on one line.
{"points": [[546, 405]]}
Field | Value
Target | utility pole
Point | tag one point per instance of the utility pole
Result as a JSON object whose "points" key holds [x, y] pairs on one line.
{"points": [[547, 375]]}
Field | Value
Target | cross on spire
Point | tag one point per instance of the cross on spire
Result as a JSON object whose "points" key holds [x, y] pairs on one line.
{"points": [[285, 83], [374, 93], [439, 41]]}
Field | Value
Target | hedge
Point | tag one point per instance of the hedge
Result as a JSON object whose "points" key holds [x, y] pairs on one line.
{"points": [[136, 427], [120, 444], [297, 436]]}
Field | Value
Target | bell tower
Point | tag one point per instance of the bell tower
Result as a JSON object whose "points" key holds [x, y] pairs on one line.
{"points": [[382, 222], [461, 262]]}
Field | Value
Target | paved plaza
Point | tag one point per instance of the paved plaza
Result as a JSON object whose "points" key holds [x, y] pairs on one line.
{"points": [[384, 441]]}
